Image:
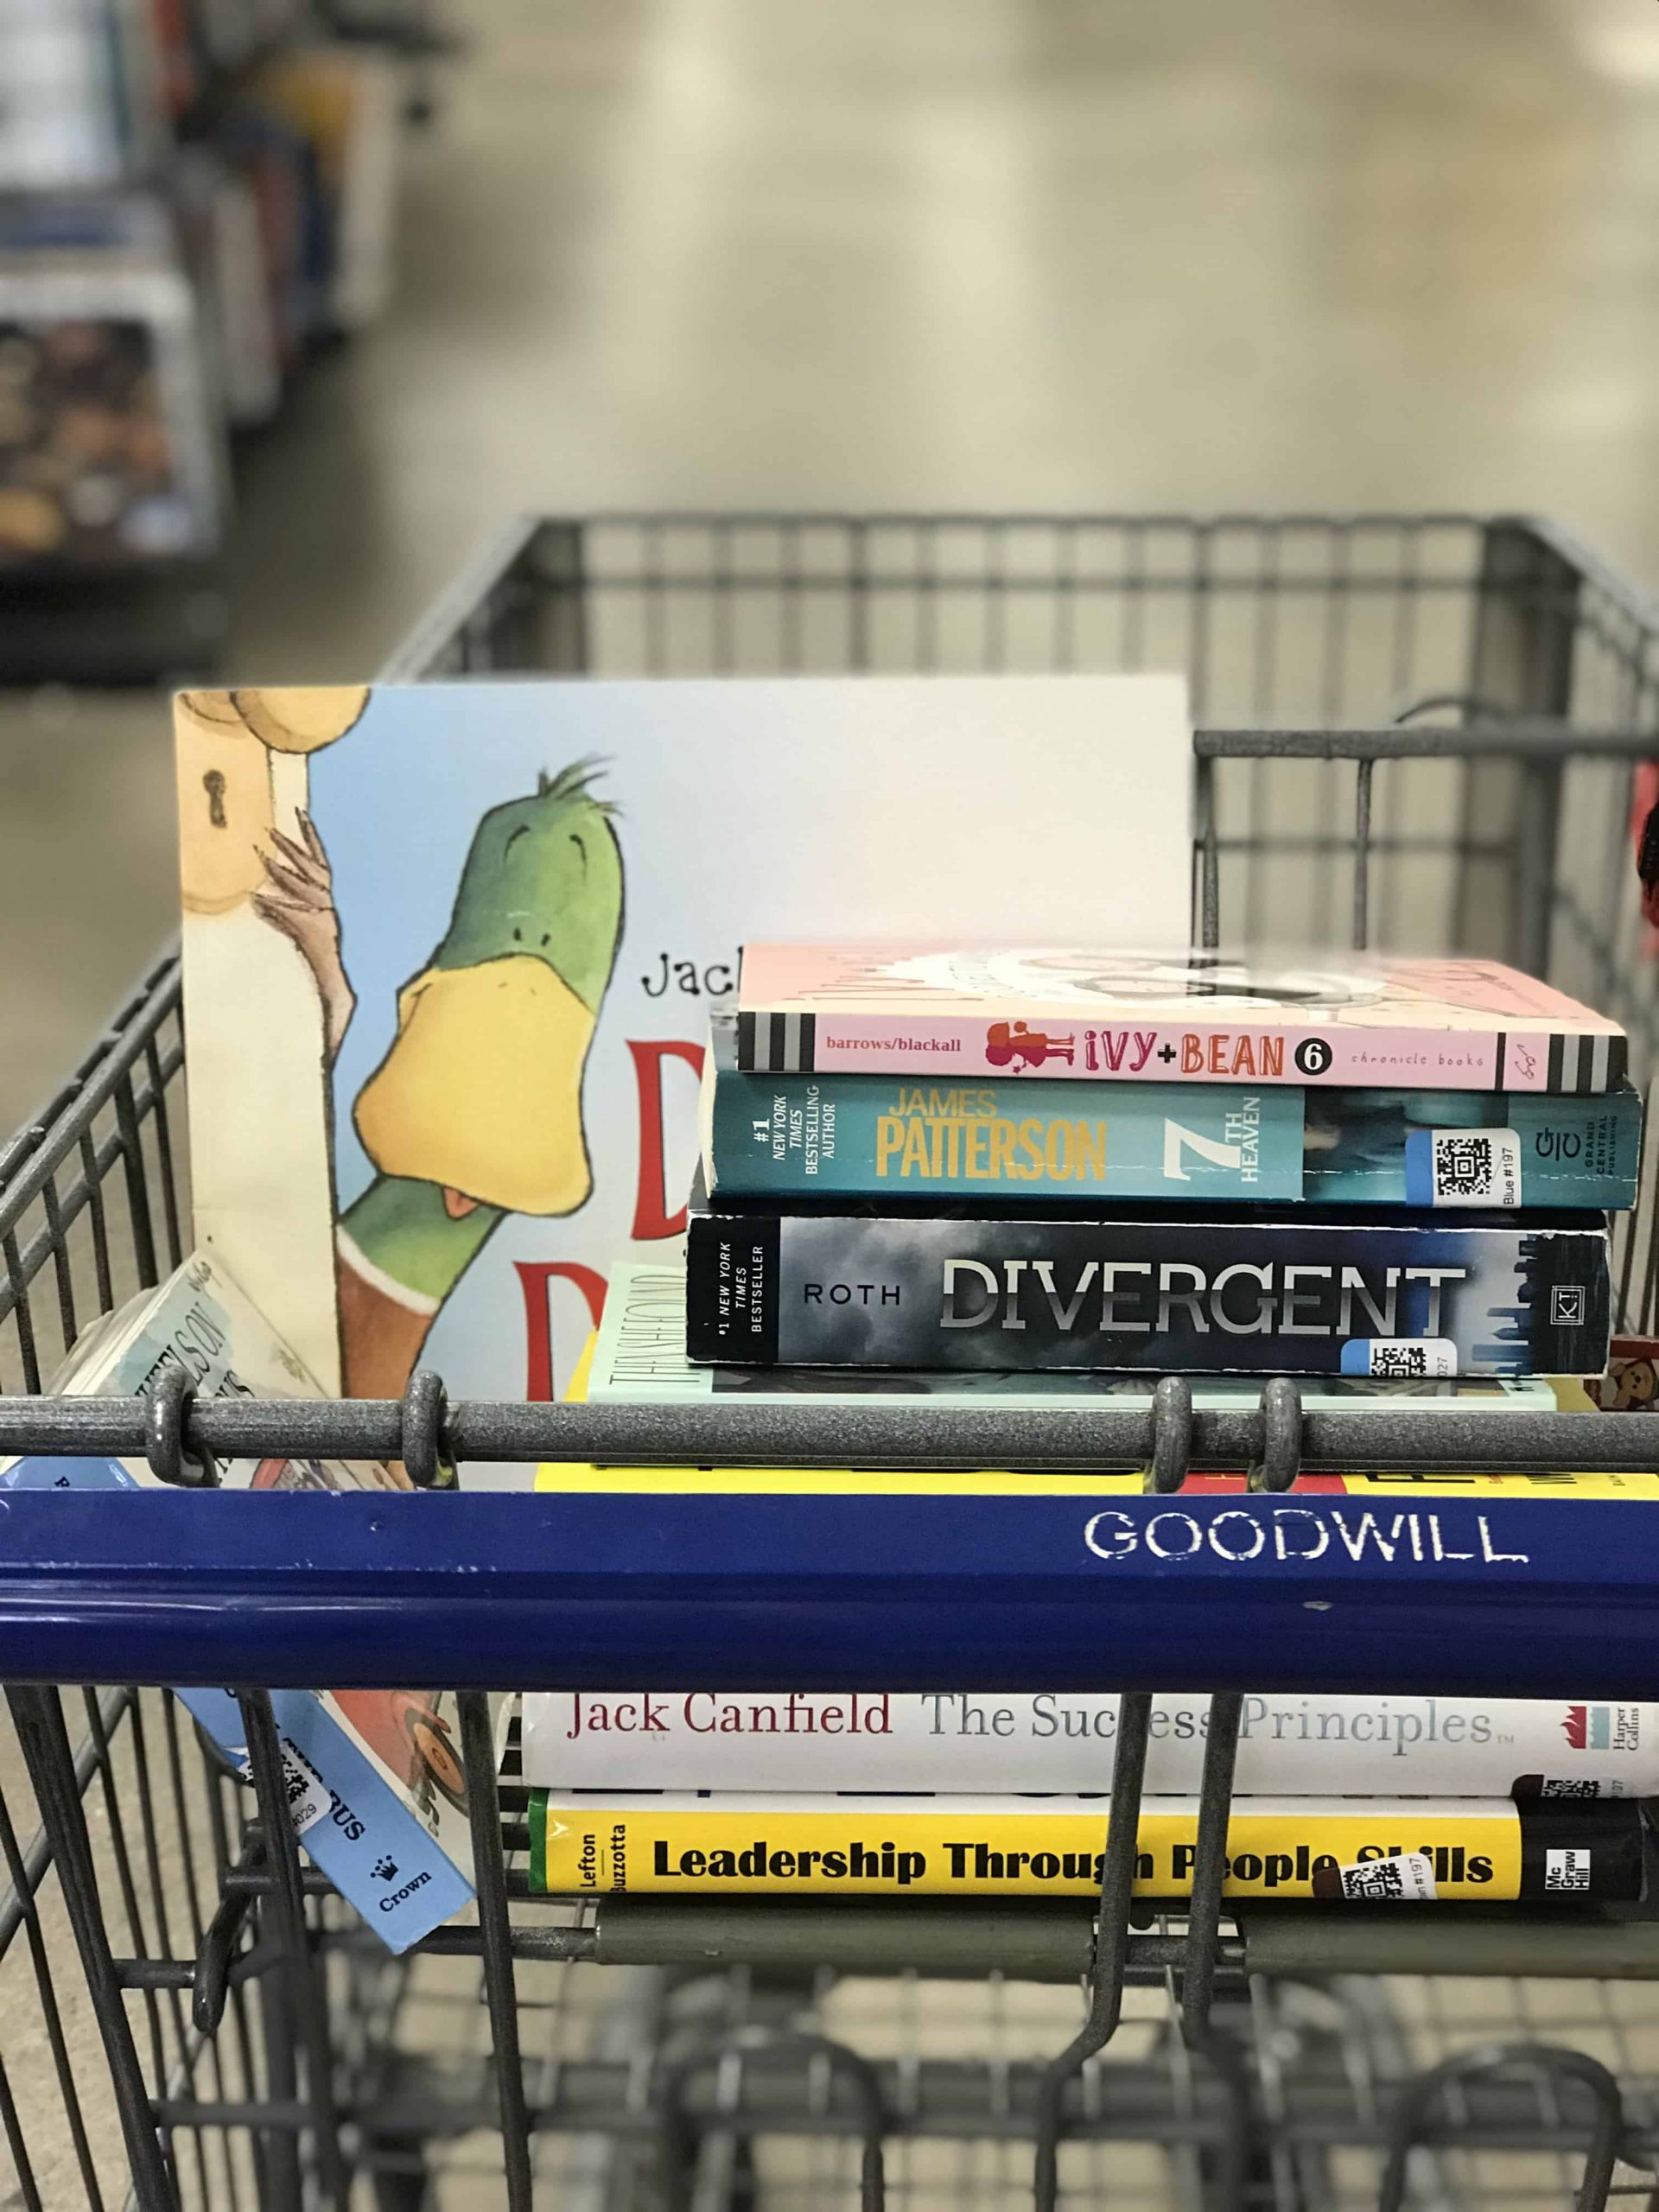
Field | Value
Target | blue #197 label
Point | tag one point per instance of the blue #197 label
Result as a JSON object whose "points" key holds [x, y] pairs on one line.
{"points": [[1463, 1167]]}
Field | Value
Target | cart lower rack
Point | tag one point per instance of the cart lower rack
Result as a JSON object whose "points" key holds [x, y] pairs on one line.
{"points": [[1413, 728]]}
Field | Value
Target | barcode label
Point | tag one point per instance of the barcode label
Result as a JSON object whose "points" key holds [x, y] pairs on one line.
{"points": [[1563, 1785], [1475, 1167], [1400, 1359], [307, 1794], [1566, 1869], [1409, 1880]]}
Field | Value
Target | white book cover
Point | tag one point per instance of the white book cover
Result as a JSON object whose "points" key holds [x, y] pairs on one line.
{"points": [[1289, 1746]]}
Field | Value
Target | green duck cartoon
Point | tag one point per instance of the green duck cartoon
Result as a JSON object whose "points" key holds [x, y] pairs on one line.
{"points": [[475, 1110]]}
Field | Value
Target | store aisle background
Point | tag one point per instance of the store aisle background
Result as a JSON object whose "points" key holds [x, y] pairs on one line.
{"points": [[956, 254]]}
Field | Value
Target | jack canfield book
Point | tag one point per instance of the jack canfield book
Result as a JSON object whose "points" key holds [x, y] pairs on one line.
{"points": [[1290, 1745], [1095, 1016]]}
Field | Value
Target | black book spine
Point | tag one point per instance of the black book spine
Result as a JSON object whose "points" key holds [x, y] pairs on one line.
{"points": [[1397, 1297], [1584, 1852], [1569, 1854], [731, 1302]]}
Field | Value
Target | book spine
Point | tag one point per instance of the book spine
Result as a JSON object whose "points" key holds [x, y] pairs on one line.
{"points": [[1292, 1746], [1410, 1299], [560, 1478], [360, 1826], [1481, 1850], [793, 1135], [950, 1048], [356, 1824], [1451, 1150]]}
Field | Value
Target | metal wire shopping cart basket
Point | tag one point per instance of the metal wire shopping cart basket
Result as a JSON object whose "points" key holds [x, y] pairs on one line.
{"points": [[1417, 729]]}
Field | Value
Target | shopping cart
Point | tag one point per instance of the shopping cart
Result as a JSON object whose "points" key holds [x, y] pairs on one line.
{"points": [[1419, 730]]}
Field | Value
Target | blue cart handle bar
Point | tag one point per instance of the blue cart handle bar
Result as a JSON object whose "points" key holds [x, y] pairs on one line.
{"points": [[1409, 1592]]}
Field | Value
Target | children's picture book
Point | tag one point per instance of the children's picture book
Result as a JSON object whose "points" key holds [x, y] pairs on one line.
{"points": [[375, 1787], [861, 1136], [450, 952], [1630, 1384], [1468, 1851], [638, 1356], [1251, 1290], [1289, 1746], [1099, 1015]]}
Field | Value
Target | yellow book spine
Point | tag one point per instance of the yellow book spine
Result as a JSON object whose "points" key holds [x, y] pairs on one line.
{"points": [[691, 1847], [843, 1481]]}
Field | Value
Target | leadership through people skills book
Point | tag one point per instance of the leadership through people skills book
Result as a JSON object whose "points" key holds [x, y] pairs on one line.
{"points": [[861, 1136], [1096, 1014], [450, 949], [1471, 1851]]}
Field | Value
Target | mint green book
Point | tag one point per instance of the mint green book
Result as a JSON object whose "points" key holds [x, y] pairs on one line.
{"points": [[639, 1359]]}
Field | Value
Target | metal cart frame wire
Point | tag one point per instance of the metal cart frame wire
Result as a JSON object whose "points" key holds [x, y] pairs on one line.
{"points": [[1434, 720]]}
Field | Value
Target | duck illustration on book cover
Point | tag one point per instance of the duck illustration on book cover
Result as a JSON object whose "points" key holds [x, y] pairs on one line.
{"points": [[450, 952], [473, 1110]]}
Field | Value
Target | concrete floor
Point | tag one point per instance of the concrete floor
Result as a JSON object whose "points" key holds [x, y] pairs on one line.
{"points": [[955, 253]]}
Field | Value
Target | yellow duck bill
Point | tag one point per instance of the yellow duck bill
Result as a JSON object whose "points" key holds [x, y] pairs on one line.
{"points": [[481, 1091]]}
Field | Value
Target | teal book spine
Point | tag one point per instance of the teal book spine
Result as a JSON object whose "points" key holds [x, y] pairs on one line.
{"points": [[1468, 1148], [866, 1136]]}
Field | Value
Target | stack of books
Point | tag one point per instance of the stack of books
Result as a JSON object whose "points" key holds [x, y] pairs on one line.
{"points": [[1049, 1176]]}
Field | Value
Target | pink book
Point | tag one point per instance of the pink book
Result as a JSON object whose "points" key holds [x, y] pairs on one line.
{"points": [[1366, 1021]]}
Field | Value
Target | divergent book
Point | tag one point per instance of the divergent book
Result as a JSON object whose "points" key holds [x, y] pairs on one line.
{"points": [[1240, 1290], [1346, 1020], [863, 1136]]}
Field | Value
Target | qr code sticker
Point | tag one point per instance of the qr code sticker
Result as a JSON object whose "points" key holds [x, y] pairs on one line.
{"points": [[1410, 1360], [1398, 1363], [1404, 1880], [304, 1790], [1566, 1869], [1563, 1785], [1475, 1167]]}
